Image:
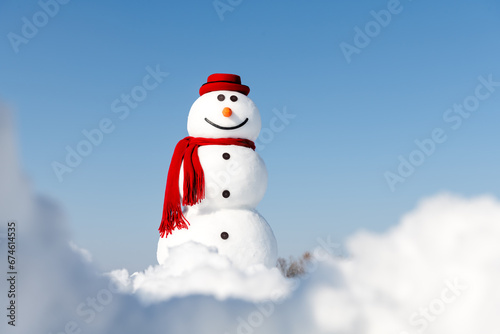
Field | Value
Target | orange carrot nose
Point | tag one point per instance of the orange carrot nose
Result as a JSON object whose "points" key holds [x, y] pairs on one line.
{"points": [[227, 112]]}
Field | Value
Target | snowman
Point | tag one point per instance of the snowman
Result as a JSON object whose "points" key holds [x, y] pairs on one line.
{"points": [[216, 179]]}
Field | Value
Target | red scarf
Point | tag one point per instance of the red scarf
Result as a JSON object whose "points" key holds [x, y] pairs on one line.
{"points": [[194, 179]]}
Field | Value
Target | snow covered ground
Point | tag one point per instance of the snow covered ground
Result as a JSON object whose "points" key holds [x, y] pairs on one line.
{"points": [[435, 272]]}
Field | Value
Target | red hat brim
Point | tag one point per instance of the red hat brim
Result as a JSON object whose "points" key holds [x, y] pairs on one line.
{"points": [[221, 81]]}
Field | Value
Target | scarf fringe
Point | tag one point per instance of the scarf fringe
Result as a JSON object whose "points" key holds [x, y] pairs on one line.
{"points": [[173, 219]]}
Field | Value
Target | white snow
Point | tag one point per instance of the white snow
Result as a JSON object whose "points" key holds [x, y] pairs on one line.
{"points": [[193, 268], [435, 272]]}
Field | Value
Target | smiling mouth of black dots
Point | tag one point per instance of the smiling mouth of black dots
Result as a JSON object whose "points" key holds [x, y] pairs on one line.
{"points": [[226, 127]]}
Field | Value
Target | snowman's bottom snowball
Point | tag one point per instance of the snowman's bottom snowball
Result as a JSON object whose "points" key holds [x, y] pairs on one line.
{"points": [[243, 236]]}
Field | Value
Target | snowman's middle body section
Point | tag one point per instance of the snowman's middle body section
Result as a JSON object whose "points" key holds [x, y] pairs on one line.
{"points": [[235, 178]]}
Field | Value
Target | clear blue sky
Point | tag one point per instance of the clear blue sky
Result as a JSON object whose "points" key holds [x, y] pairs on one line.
{"points": [[326, 168]]}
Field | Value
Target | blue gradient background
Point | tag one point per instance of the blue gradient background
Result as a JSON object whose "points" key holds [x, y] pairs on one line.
{"points": [[326, 168]]}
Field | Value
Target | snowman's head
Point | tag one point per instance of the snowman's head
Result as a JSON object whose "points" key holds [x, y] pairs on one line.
{"points": [[224, 113]]}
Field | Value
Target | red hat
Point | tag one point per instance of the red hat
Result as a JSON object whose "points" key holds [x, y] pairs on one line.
{"points": [[223, 81]]}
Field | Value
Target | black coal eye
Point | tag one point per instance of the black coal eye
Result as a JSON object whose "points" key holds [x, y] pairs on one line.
{"points": [[221, 97], [234, 98]]}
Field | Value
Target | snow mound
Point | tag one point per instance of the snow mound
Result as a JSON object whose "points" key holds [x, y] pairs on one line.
{"points": [[193, 268], [437, 271]]}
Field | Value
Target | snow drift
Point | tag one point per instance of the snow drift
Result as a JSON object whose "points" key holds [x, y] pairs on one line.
{"points": [[434, 272]]}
